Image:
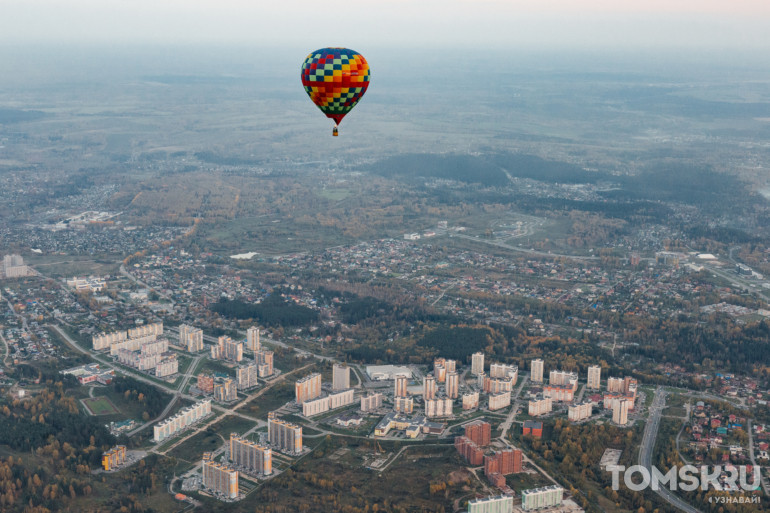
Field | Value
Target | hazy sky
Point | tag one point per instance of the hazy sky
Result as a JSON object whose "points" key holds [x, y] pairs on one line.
{"points": [[734, 24]]}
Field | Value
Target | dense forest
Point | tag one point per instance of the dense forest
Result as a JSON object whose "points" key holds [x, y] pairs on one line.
{"points": [[151, 397], [274, 311]]}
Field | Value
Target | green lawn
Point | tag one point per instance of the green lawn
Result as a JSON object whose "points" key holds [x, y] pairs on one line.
{"points": [[99, 406]]}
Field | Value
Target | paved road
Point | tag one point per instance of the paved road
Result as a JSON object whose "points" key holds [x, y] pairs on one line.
{"points": [[523, 250], [763, 480], [514, 406], [648, 444]]}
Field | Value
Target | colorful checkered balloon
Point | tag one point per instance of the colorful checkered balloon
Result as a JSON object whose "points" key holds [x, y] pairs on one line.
{"points": [[335, 79]]}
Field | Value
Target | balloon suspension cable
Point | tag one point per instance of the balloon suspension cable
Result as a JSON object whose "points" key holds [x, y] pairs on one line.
{"points": [[335, 132]]}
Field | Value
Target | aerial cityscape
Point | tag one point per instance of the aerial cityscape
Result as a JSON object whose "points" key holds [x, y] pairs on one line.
{"points": [[518, 276]]}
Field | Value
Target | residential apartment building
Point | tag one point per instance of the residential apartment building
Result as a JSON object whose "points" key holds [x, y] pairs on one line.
{"points": [[429, 388], [340, 377], [180, 421], [452, 386], [594, 377], [401, 386], [479, 432], [114, 458], [252, 339], [284, 435], [371, 402], [581, 411], [250, 456], [470, 400], [499, 401], [563, 378], [225, 390], [403, 404], [191, 338], [477, 363], [246, 376], [536, 371], [227, 349], [219, 478], [307, 388], [620, 412], [541, 498], [438, 407], [540, 406], [559, 393]]}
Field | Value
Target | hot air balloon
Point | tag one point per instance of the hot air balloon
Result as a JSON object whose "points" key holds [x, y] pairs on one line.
{"points": [[335, 79]]}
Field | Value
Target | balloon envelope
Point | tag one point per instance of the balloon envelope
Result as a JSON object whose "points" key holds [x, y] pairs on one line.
{"points": [[335, 79]]}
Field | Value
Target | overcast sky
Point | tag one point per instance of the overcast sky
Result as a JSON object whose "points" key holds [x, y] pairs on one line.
{"points": [[733, 24]]}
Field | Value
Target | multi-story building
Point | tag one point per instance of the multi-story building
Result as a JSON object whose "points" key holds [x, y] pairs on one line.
{"points": [[469, 450], [227, 349], [540, 498], [146, 330], [429, 388], [307, 388], [499, 401], [114, 458], [264, 361], [371, 402], [620, 412], [252, 339], [131, 344], [563, 378], [615, 385], [540, 406], [452, 386], [206, 383], [502, 370], [477, 363], [220, 479], [594, 377], [581, 411], [191, 338], [559, 393], [610, 398], [438, 407], [504, 462], [167, 367], [470, 400], [284, 435], [340, 377], [157, 346], [401, 386], [225, 390], [315, 406], [250, 456], [341, 399], [331, 402], [497, 385], [13, 267], [403, 404], [246, 376], [105, 340], [536, 371], [500, 504], [479, 432], [181, 420]]}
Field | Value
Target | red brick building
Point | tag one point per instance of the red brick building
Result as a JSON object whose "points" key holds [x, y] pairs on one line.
{"points": [[479, 432]]}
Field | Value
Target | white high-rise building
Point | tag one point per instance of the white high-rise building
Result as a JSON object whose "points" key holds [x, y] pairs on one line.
{"points": [[340, 377], [620, 411], [429, 388], [539, 498], [501, 504], [452, 384], [594, 377], [191, 338], [252, 339], [536, 371], [477, 363]]}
